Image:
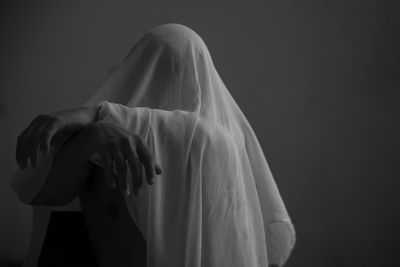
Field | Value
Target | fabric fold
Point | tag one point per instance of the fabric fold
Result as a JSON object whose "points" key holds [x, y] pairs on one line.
{"points": [[216, 202]]}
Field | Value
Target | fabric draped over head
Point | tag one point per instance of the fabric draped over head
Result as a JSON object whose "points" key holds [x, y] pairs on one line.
{"points": [[170, 68], [216, 203]]}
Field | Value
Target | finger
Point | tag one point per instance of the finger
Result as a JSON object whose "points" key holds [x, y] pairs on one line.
{"points": [[132, 167], [22, 151], [45, 132], [138, 174], [108, 170], [129, 183], [20, 154], [47, 136], [32, 146], [123, 179], [120, 165], [136, 170], [131, 158], [44, 142], [31, 138], [133, 163], [33, 156], [147, 160], [36, 138], [158, 169], [141, 175], [61, 134]]}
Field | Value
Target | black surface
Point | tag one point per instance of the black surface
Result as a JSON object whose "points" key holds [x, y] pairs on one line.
{"points": [[67, 241]]}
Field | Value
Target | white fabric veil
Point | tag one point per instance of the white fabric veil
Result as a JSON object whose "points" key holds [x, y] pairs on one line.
{"points": [[216, 203]]}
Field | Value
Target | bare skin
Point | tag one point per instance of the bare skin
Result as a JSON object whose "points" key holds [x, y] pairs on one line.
{"points": [[51, 129], [115, 238], [78, 133]]}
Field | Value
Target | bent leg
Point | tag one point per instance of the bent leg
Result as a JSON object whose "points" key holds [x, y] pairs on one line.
{"points": [[115, 238]]}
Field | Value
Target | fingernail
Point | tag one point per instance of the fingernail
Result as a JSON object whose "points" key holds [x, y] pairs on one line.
{"points": [[152, 180]]}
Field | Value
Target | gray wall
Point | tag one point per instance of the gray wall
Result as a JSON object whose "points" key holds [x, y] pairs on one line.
{"points": [[318, 80]]}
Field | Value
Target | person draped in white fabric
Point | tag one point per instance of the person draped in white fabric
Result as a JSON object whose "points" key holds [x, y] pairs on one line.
{"points": [[164, 111]]}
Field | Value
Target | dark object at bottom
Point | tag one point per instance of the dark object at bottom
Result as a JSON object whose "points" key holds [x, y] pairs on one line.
{"points": [[67, 242]]}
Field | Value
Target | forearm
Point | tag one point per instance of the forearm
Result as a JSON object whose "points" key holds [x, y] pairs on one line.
{"points": [[79, 116], [68, 173], [74, 121]]}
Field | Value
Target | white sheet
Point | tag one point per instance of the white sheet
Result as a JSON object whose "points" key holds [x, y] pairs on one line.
{"points": [[216, 203]]}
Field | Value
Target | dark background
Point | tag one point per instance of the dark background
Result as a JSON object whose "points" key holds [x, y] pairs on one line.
{"points": [[318, 80]]}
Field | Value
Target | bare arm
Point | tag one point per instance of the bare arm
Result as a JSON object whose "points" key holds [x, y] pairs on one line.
{"points": [[51, 129], [71, 167], [61, 124], [68, 173]]}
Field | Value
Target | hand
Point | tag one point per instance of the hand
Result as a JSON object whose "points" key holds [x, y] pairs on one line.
{"points": [[116, 146], [37, 136], [51, 129]]}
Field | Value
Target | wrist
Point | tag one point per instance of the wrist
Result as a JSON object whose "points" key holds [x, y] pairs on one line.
{"points": [[76, 119], [89, 137]]}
